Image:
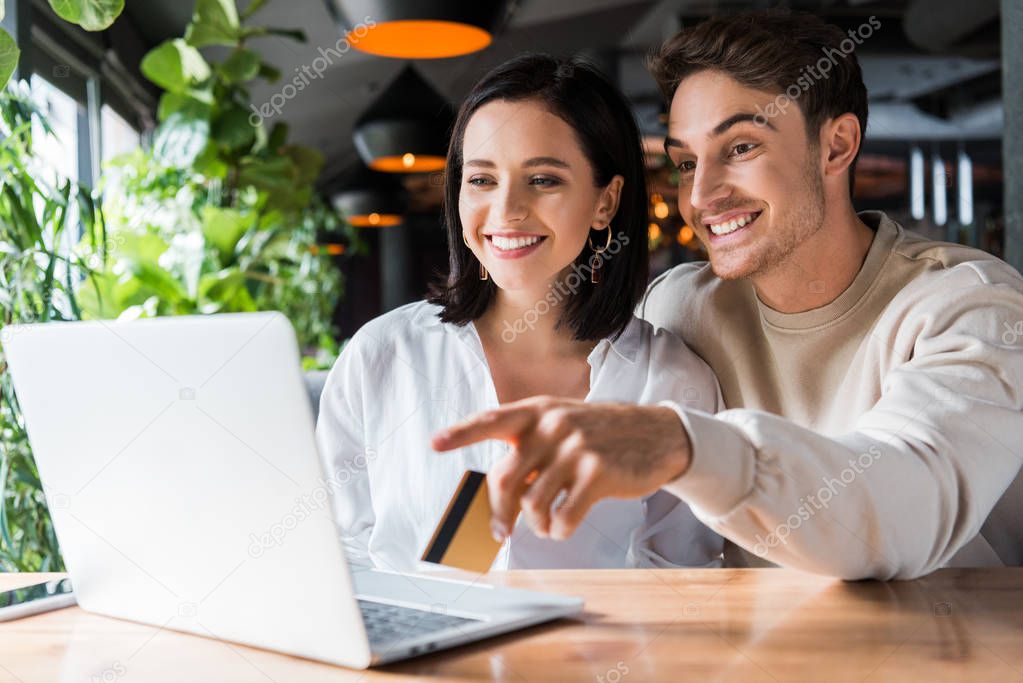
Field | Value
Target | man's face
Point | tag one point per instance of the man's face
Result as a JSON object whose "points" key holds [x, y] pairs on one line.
{"points": [[750, 185]]}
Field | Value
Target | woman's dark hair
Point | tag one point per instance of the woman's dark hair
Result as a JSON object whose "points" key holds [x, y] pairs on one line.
{"points": [[605, 128]]}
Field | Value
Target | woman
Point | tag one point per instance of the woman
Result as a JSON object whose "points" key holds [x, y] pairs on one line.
{"points": [[545, 205]]}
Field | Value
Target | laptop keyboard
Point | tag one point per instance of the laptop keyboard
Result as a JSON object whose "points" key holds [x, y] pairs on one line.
{"points": [[388, 623]]}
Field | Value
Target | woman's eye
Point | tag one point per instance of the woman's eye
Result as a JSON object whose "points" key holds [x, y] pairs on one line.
{"points": [[686, 166], [544, 181], [479, 181]]}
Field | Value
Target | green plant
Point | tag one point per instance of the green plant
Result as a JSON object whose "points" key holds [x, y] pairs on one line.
{"points": [[220, 215], [38, 281]]}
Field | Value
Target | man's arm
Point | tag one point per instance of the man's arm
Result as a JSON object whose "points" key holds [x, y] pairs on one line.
{"points": [[899, 495], [906, 489]]}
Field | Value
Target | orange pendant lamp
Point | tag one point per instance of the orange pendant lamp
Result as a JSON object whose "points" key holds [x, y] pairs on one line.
{"points": [[368, 199], [418, 29], [406, 129]]}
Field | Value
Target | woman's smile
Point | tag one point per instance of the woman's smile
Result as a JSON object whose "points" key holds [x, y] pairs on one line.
{"points": [[513, 245]]}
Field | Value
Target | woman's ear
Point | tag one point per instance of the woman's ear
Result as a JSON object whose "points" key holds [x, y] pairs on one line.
{"points": [[607, 204]]}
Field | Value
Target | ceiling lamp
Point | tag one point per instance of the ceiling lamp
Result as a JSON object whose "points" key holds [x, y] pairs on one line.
{"points": [[371, 200], [418, 29], [406, 129]]}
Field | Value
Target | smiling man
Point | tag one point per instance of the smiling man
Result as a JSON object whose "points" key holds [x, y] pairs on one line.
{"points": [[875, 399]]}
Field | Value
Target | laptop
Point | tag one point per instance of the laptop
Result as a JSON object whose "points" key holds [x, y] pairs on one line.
{"points": [[179, 463]]}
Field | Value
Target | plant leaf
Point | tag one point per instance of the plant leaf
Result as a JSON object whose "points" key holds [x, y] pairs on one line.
{"points": [[92, 15], [175, 65], [307, 160], [215, 22], [183, 134], [233, 130], [295, 34], [9, 55], [223, 228], [269, 73], [278, 136], [225, 291], [252, 8], [276, 174], [242, 65]]}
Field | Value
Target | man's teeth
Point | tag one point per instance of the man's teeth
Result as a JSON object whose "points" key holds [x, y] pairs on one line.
{"points": [[726, 227], [510, 243]]}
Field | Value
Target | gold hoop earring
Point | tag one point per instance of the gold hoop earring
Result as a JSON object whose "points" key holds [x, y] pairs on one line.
{"points": [[597, 261], [484, 275]]}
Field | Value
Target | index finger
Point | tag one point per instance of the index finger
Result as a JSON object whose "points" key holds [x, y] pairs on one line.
{"points": [[506, 423]]}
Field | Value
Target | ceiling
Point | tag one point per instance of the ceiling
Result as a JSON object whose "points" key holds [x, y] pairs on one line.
{"points": [[914, 92]]}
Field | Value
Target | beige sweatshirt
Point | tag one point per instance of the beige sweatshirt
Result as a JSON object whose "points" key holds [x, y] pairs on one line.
{"points": [[870, 437]]}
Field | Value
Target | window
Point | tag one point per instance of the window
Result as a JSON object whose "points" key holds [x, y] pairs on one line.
{"points": [[58, 152], [117, 135]]}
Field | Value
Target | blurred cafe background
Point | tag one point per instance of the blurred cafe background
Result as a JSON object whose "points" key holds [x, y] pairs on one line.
{"points": [[181, 157]]}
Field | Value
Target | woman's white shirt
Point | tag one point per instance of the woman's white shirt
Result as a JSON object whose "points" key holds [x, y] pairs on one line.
{"points": [[407, 374]]}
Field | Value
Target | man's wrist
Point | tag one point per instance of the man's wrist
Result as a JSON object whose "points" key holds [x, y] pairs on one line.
{"points": [[677, 445]]}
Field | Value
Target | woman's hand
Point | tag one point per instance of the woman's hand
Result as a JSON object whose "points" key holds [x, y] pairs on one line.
{"points": [[590, 450]]}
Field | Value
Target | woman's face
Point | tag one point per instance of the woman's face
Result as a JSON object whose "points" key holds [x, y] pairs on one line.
{"points": [[527, 199]]}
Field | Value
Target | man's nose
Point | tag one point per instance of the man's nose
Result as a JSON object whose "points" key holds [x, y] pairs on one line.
{"points": [[709, 187]]}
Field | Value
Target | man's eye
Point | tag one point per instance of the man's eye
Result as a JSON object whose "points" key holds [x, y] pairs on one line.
{"points": [[744, 148]]}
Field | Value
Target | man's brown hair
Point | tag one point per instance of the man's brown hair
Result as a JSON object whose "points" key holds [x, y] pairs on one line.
{"points": [[796, 55]]}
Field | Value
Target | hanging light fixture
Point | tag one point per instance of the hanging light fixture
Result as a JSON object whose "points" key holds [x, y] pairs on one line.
{"points": [[418, 29], [371, 200], [406, 129]]}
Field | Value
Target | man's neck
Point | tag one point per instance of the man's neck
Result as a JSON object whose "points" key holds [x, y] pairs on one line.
{"points": [[820, 269]]}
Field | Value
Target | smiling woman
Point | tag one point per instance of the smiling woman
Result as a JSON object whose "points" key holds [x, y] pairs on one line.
{"points": [[555, 142], [544, 187]]}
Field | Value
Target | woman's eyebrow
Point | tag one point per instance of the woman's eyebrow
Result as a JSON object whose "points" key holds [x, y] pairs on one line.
{"points": [[545, 161], [528, 163]]}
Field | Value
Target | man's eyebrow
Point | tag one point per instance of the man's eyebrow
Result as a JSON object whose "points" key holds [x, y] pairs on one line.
{"points": [[741, 117], [733, 120], [528, 163]]}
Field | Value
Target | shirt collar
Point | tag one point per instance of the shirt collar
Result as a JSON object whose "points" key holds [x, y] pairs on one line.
{"points": [[626, 345]]}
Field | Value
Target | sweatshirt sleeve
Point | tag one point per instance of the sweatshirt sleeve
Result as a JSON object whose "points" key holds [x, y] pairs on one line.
{"points": [[341, 442], [910, 485]]}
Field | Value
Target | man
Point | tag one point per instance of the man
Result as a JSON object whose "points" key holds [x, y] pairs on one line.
{"points": [[873, 379]]}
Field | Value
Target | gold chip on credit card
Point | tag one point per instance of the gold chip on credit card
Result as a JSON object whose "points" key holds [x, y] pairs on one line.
{"points": [[462, 539]]}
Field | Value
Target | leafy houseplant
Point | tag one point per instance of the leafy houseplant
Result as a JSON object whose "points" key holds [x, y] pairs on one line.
{"points": [[38, 283], [219, 215]]}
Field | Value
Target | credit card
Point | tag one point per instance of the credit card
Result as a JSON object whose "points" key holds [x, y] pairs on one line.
{"points": [[462, 538]]}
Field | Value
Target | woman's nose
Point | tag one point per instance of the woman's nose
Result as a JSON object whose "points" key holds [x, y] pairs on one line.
{"points": [[511, 206]]}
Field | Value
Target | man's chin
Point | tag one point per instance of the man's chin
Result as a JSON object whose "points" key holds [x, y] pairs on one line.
{"points": [[732, 268]]}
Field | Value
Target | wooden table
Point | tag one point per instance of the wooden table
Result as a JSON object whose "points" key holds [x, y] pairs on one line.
{"points": [[640, 625]]}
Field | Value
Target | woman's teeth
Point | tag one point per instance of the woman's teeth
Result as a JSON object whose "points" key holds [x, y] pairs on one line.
{"points": [[512, 243], [732, 225]]}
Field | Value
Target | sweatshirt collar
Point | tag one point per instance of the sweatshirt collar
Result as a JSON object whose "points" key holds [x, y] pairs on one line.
{"points": [[886, 233]]}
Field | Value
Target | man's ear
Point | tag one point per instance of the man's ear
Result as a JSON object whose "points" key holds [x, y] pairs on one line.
{"points": [[840, 141], [607, 205]]}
